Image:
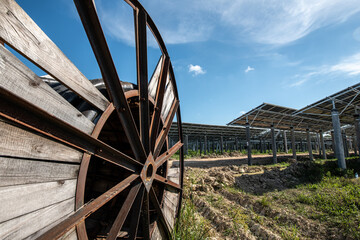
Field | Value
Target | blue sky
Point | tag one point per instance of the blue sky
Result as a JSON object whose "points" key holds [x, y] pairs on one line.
{"points": [[228, 56]]}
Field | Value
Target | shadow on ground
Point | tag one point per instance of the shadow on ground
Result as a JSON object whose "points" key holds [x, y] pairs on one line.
{"points": [[279, 178]]}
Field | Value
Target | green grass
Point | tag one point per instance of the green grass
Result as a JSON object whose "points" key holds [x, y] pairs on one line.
{"points": [[336, 201], [328, 194], [332, 197], [191, 225]]}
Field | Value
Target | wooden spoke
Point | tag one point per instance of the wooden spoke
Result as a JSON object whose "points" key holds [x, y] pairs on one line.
{"points": [[167, 155], [28, 115], [145, 217], [163, 134], [20, 32], [168, 182], [89, 18], [124, 211], [142, 75], [160, 213], [88, 209], [155, 121], [22, 82], [136, 212]]}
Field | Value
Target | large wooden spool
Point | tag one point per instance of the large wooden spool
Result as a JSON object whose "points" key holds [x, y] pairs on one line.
{"points": [[83, 159]]}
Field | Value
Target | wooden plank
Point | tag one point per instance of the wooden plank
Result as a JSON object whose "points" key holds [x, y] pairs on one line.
{"points": [[24, 171], [70, 235], [155, 79], [22, 199], [168, 98], [16, 142], [173, 174], [22, 82], [170, 206], [30, 225], [20, 32], [156, 234], [171, 199]]}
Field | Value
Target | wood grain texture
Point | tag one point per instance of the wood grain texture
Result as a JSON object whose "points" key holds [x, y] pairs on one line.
{"points": [[70, 235], [20, 32], [33, 224], [171, 198], [16, 142], [168, 98], [155, 79], [24, 171], [22, 199], [170, 205], [156, 235], [18, 79]]}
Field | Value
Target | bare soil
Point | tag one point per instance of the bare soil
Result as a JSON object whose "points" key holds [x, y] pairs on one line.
{"points": [[235, 199]]}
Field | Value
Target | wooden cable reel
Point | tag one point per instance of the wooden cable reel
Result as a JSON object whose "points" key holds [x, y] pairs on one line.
{"points": [[83, 159]]}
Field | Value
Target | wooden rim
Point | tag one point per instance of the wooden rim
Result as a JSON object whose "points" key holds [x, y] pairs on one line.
{"points": [[68, 126]]}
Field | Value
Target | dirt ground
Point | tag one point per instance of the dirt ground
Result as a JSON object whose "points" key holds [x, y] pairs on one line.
{"points": [[231, 198], [235, 160]]}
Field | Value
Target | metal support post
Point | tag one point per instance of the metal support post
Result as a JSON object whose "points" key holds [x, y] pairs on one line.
{"points": [[205, 145], [273, 144], [323, 149], [309, 144], [333, 143], [293, 147], [248, 144], [339, 147], [200, 147], [221, 145], [346, 149], [318, 148], [285, 142], [357, 131], [355, 146], [186, 144]]}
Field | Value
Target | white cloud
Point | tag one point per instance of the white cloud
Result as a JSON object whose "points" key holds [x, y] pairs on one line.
{"points": [[248, 69], [196, 70], [242, 112], [281, 22], [349, 66], [271, 22]]}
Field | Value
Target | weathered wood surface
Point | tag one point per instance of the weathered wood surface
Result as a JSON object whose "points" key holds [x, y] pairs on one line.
{"points": [[70, 235], [174, 174], [155, 79], [170, 206], [24, 171], [20, 32], [20, 81], [156, 235], [33, 224], [171, 198], [22, 199], [16, 142], [168, 98]]}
